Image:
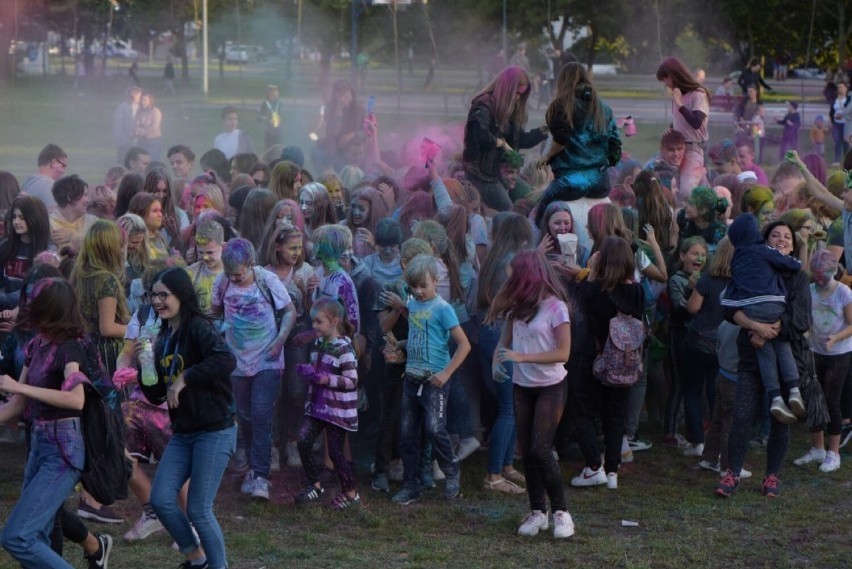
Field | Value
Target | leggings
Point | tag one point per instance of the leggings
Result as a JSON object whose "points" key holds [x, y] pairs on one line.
{"points": [[69, 526], [831, 372], [595, 401], [675, 396], [537, 414], [747, 407], [308, 433]]}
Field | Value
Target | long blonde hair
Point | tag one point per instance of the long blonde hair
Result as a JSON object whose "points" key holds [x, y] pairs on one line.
{"points": [[572, 80], [101, 254]]}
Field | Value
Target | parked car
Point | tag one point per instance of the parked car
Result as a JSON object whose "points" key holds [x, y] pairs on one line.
{"points": [[119, 48], [243, 53]]}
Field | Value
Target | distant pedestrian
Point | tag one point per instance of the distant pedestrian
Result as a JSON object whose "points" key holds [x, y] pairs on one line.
{"points": [[169, 76], [134, 73]]}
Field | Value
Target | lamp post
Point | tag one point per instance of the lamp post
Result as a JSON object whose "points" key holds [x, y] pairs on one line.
{"points": [[505, 43], [204, 61]]}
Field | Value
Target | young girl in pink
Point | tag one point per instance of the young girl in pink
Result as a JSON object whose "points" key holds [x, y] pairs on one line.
{"points": [[536, 341]]}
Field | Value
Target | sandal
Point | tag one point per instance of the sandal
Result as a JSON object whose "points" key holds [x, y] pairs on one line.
{"points": [[342, 502], [502, 485], [514, 476]]}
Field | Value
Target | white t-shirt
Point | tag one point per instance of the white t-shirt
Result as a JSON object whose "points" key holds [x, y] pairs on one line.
{"points": [[827, 318], [537, 336], [228, 143]]}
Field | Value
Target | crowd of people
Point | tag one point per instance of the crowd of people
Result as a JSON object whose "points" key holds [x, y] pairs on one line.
{"points": [[254, 313]]}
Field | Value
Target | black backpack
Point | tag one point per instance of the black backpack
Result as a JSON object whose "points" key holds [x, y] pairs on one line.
{"points": [[107, 469]]}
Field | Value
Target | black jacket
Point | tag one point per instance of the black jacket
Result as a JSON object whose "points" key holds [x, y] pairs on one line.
{"points": [[481, 156], [200, 353]]}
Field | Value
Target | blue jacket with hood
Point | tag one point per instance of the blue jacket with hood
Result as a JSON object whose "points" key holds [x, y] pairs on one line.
{"points": [[755, 266]]}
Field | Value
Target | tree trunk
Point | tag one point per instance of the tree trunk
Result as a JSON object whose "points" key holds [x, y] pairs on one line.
{"points": [[593, 40], [842, 34]]}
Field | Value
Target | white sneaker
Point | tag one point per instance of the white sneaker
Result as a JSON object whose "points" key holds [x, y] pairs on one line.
{"points": [[626, 451], [293, 458], [611, 481], [260, 490], [437, 473], [710, 465], [694, 450], [745, 474], [563, 525], [813, 455], [144, 526], [831, 462], [781, 412], [589, 477], [467, 446], [532, 523], [194, 534], [274, 460], [248, 483]]}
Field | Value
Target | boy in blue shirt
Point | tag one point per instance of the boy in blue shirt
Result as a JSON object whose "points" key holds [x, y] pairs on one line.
{"points": [[432, 322]]}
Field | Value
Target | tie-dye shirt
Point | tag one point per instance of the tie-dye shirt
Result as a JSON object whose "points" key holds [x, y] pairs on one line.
{"points": [[250, 321]]}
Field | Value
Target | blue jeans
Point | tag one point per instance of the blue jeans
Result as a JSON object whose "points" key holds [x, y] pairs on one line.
{"points": [[775, 357], [424, 403], [501, 448], [48, 480], [255, 397], [201, 457]]}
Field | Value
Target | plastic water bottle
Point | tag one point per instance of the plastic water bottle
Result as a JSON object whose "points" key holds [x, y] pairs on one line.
{"points": [[146, 361]]}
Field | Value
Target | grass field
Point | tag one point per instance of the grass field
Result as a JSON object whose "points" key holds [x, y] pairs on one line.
{"points": [[681, 523]]}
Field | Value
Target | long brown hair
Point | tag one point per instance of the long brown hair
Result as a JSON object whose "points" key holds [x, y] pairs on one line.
{"points": [[501, 91], [572, 80], [616, 263], [510, 233], [653, 207], [54, 312], [681, 77]]}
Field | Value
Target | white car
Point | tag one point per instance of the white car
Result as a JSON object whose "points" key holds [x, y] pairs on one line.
{"points": [[238, 53], [119, 48]]}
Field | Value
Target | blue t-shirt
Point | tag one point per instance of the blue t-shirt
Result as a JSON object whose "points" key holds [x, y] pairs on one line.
{"points": [[429, 325]]}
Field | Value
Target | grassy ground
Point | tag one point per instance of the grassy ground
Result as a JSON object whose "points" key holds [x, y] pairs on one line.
{"points": [[681, 523]]}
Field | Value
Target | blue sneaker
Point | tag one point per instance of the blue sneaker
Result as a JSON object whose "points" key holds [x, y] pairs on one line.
{"points": [[380, 482], [406, 496], [452, 487]]}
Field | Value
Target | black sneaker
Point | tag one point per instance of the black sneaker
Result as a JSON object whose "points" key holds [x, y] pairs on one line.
{"points": [[100, 560], [103, 514], [189, 565], [311, 494]]}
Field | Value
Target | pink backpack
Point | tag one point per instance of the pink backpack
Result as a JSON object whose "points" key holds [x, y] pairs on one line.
{"points": [[620, 363]]}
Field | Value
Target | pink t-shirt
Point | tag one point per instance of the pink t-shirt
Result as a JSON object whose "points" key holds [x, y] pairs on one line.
{"points": [[536, 336], [694, 101]]}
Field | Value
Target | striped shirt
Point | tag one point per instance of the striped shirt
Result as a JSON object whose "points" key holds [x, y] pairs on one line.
{"points": [[337, 402]]}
